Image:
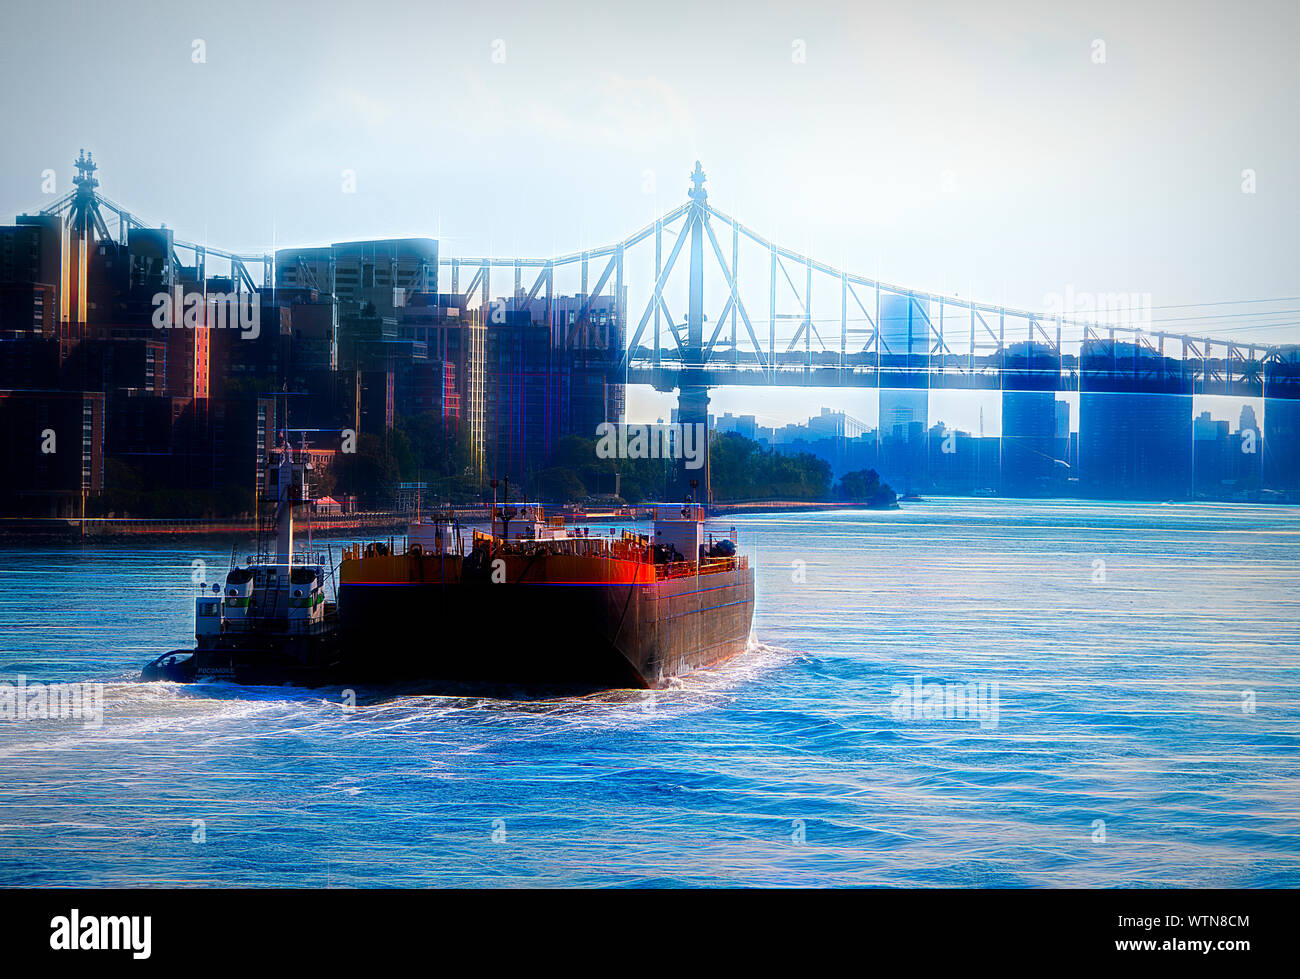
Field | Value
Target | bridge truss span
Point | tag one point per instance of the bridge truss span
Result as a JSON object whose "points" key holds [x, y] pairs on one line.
{"points": [[785, 318]]}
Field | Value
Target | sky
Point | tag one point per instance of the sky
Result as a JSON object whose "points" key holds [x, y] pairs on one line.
{"points": [[1001, 151]]}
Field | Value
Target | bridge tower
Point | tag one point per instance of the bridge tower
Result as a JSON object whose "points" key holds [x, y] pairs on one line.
{"points": [[84, 222], [693, 397]]}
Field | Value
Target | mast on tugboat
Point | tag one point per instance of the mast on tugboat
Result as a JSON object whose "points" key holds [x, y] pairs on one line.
{"points": [[291, 491]]}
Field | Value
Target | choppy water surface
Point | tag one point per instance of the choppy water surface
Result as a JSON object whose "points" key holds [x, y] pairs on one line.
{"points": [[1129, 644]]}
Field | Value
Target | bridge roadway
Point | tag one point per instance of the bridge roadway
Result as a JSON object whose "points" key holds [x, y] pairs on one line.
{"points": [[1218, 376]]}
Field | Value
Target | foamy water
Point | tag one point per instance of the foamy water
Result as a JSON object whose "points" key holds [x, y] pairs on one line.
{"points": [[1148, 721]]}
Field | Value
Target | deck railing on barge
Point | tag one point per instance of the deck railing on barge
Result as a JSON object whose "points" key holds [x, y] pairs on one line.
{"points": [[683, 569], [630, 547]]}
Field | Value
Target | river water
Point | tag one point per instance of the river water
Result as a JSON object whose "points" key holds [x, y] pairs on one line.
{"points": [[1144, 728]]}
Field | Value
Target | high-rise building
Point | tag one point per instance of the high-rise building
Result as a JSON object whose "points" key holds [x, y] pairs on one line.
{"points": [[446, 374], [375, 272], [903, 434], [1028, 442], [746, 425], [549, 378], [1281, 470], [904, 395], [1210, 454], [53, 445], [1135, 423], [523, 418], [588, 351], [1030, 377], [1062, 440], [31, 275]]}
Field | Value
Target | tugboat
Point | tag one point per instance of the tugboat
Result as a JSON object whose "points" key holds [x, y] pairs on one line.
{"points": [[273, 624], [536, 601]]}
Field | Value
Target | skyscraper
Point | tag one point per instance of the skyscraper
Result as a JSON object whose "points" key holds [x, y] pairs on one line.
{"points": [[904, 334], [1282, 422], [1135, 423], [1030, 377]]}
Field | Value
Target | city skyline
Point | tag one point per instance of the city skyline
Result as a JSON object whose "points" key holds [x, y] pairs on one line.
{"points": [[892, 161], [783, 406], [365, 339], [1220, 407]]}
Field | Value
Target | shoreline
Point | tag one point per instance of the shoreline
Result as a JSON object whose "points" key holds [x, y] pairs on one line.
{"points": [[109, 528], [101, 528], [791, 506], [126, 527]]}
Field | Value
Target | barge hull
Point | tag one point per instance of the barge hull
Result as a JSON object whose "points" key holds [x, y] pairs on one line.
{"points": [[606, 634]]}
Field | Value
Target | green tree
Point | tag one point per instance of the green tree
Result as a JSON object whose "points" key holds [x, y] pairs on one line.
{"points": [[742, 469], [864, 486], [437, 446], [559, 485], [370, 473]]}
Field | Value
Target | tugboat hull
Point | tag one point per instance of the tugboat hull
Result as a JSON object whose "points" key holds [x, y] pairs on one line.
{"points": [[174, 667], [309, 661]]}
